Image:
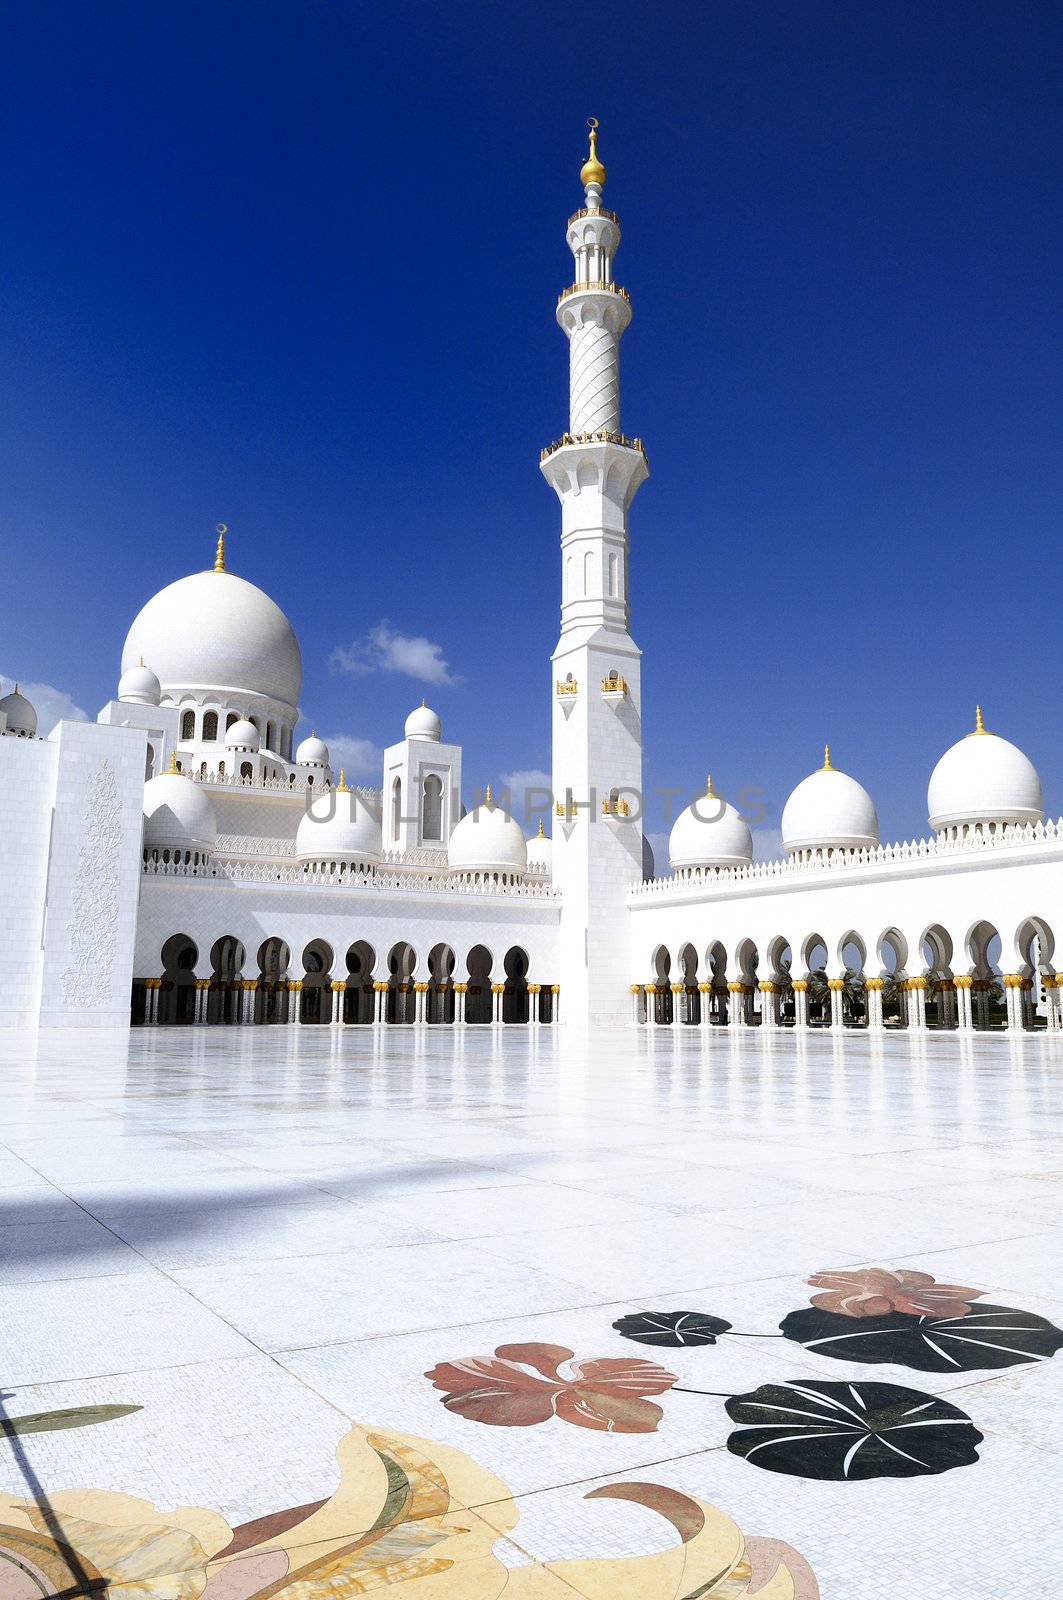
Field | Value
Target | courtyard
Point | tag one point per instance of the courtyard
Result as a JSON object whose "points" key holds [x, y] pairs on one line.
{"points": [[309, 1312]]}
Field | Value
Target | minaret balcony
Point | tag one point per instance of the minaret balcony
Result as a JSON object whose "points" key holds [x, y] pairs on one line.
{"points": [[596, 285], [603, 437], [614, 688], [596, 211], [616, 809], [566, 688]]}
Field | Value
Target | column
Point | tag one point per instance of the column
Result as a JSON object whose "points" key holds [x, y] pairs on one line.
{"points": [[873, 987], [1013, 982], [651, 1006], [704, 1004], [739, 994], [769, 1015], [555, 1009], [295, 997], [947, 1003], [1050, 985], [338, 988], [534, 991], [1027, 1004], [151, 1000], [678, 993], [980, 1000], [800, 988], [497, 991], [915, 990], [964, 1012], [837, 1002], [380, 1002], [460, 991], [202, 991]]}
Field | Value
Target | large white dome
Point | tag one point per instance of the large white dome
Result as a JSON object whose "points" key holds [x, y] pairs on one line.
{"points": [[177, 815], [213, 630], [829, 811], [982, 779], [487, 840], [709, 833], [339, 826]]}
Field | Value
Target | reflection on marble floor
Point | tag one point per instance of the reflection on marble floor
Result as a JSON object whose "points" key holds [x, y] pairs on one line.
{"points": [[309, 1316]]}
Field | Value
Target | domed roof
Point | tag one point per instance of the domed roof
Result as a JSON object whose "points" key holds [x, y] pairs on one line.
{"points": [[213, 630], [983, 778], [709, 833], [540, 852], [243, 735], [21, 717], [339, 826], [487, 840], [312, 752], [423, 723], [139, 684], [177, 814], [829, 811]]}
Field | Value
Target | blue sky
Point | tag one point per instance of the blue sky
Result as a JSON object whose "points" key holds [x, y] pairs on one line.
{"points": [[294, 266]]}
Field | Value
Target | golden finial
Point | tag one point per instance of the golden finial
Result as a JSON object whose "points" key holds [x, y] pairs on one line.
{"points": [[341, 787], [540, 834], [826, 759], [487, 797], [708, 789], [592, 170], [219, 555], [172, 768], [979, 725]]}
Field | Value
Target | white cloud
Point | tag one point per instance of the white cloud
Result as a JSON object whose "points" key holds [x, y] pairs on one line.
{"points": [[385, 650], [767, 844], [52, 705], [359, 758], [529, 793]]}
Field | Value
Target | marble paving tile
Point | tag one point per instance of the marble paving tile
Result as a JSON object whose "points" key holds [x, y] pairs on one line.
{"points": [[32, 1252]]}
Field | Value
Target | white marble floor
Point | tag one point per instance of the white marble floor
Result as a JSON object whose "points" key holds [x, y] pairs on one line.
{"points": [[260, 1237]]}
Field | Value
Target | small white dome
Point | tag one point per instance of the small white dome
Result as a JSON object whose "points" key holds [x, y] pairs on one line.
{"points": [[21, 717], [243, 735], [487, 840], [177, 815], [540, 853], [140, 685], [829, 811], [709, 833], [983, 778], [312, 752], [423, 723], [339, 826], [213, 630]]}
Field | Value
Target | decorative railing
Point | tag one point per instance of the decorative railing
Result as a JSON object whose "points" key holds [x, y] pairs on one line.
{"points": [[603, 437], [375, 882], [594, 211], [596, 285], [233, 780], [1014, 836], [614, 685], [615, 808], [242, 844], [567, 686]]}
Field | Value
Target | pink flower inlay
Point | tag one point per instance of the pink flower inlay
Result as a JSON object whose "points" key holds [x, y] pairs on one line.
{"points": [[608, 1395], [875, 1292]]}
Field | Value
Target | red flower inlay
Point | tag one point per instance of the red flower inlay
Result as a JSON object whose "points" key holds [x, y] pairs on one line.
{"points": [[875, 1292], [608, 1395]]}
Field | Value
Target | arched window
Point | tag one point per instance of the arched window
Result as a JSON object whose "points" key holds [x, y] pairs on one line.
{"points": [[396, 807], [432, 808], [245, 769], [254, 723], [188, 724], [588, 569], [221, 769], [614, 576], [233, 716], [202, 769], [210, 725], [269, 736]]}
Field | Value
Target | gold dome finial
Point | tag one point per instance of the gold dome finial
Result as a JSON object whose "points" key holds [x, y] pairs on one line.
{"points": [[708, 788], [826, 759], [219, 555], [341, 787], [172, 768], [540, 834], [592, 170], [979, 725], [487, 797]]}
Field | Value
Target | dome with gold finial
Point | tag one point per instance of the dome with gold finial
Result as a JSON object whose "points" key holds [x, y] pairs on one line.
{"points": [[339, 827], [829, 811], [541, 853], [215, 631], [177, 814], [20, 713], [981, 782], [709, 833], [423, 723], [487, 843], [592, 170]]}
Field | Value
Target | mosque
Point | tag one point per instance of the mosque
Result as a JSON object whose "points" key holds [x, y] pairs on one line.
{"points": [[184, 860]]}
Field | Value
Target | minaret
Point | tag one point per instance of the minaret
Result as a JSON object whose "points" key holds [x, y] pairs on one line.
{"points": [[597, 721]]}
